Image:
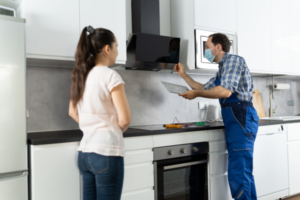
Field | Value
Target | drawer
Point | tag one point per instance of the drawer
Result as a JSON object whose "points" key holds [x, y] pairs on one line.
{"points": [[135, 143], [145, 194], [218, 134], [138, 176], [180, 138], [138, 156], [217, 146], [219, 188], [293, 132], [218, 163]]}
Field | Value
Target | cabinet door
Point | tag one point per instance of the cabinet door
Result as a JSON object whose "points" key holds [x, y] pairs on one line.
{"points": [[295, 35], [294, 166], [106, 14], [281, 40], [54, 173], [219, 188], [254, 33], [52, 28], [145, 194], [270, 163], [207, 14]]}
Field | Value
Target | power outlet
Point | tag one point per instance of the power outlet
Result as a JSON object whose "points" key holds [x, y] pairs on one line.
{"points": [[202, 105], [290, 103]]}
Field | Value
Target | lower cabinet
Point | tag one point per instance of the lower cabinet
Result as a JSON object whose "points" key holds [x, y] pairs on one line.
{"points": [[53, 172], [145, 194], [139, 170], [294, 167], [219, 188], [271, 164]]}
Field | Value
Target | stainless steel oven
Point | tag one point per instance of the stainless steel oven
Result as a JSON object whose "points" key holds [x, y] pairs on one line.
{"points": [[201, 36], [181, 172]]}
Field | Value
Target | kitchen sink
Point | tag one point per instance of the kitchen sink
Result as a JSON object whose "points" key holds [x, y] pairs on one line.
{"points": [[282, 118]]}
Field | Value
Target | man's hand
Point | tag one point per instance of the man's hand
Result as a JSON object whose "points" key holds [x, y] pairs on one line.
{"points": [[191, 94], [180, 70]]}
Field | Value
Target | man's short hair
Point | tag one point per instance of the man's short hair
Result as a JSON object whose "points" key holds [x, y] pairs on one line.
{"points": [[222, 39]]}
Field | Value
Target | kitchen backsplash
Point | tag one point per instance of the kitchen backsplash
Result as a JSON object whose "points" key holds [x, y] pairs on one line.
{"points": [[48, 93]]}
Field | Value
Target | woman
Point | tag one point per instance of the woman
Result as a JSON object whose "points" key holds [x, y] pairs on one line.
{"points": [[99, 104]]}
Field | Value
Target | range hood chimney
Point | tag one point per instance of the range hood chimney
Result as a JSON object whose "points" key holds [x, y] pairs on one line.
{"points": [[145, 16], [146, 48]]}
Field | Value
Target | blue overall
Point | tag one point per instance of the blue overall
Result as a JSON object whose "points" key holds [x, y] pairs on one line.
{"points": [[241, 124]]}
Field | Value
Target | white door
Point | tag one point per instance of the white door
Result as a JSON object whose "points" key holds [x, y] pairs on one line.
{"points": [[52, 28], [270, 163], [207, 14], [54, 172], [281, 36], [106, 14], [294, 167], [295, 35], [254, 33], [14, 188], [13, 147]]}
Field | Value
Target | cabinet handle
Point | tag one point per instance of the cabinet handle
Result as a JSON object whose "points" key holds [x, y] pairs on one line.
{"points": [[270, 133]]}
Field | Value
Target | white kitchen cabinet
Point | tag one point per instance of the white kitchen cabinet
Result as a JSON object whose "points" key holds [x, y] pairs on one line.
{"points": [[188, 15], [294, 167], [139, 170], [295, 35], [281, 36], [54, 173], [271, 163], [254, 34], [145, 194], [138, 176], [106, 14], [52, 28], [218, 163], [219, 188], [294, 132], [207, 14]]}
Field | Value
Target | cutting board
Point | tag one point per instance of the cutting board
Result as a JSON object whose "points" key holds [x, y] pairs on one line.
{"points": [[257, 104]]}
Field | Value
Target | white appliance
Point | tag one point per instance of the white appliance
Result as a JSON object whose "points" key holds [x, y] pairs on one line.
{"points": [[201, 36], [13, 146]]}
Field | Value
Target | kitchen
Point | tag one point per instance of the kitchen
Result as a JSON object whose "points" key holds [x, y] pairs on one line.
{"points": [[51, 41]]}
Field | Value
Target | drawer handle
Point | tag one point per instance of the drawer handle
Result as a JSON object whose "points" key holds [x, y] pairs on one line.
{"points": [[185, 164]]}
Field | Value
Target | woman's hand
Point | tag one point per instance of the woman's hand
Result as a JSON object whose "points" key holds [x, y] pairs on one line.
{"points": [[179, 68]]}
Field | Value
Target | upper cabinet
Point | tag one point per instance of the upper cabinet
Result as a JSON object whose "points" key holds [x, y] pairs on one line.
{"points": [[254, 33], [281, 36], [295, 35], [106, 14], [188, 15], [208, 13], [52, 28]]}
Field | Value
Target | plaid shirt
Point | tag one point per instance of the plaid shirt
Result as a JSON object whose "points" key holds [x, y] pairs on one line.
{"points": [[235, 76]]}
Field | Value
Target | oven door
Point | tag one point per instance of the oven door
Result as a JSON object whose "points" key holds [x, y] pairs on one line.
{"points": [[182, 178]]}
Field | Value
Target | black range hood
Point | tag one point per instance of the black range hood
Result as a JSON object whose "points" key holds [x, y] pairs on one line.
{"points": [[146, 49]]}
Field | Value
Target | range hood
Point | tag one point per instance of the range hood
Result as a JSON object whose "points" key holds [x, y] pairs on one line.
{"points": [[146, 48]]}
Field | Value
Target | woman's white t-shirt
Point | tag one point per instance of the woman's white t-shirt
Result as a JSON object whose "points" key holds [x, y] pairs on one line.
{"points": [[98, 118]]}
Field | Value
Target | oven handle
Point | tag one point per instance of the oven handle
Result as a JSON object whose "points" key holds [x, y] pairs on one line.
{"points": [[184, 164]]}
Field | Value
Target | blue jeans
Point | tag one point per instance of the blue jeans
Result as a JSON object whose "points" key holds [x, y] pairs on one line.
{"points": [[102, 176]]}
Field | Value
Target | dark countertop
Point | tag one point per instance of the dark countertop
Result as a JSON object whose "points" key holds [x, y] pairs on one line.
{"points": [[51, 137]]}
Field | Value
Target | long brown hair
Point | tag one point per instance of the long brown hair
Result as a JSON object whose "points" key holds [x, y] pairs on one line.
{"points": [[89, 46]]}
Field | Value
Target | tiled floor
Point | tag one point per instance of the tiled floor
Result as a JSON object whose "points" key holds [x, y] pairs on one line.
{"points": [[294, 198]]}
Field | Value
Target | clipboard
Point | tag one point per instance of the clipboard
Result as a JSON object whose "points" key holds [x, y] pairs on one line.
{"points": [[174, 88]]}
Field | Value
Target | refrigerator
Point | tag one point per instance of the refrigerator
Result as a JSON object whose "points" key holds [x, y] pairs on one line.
{"points": [[13, 146]]}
